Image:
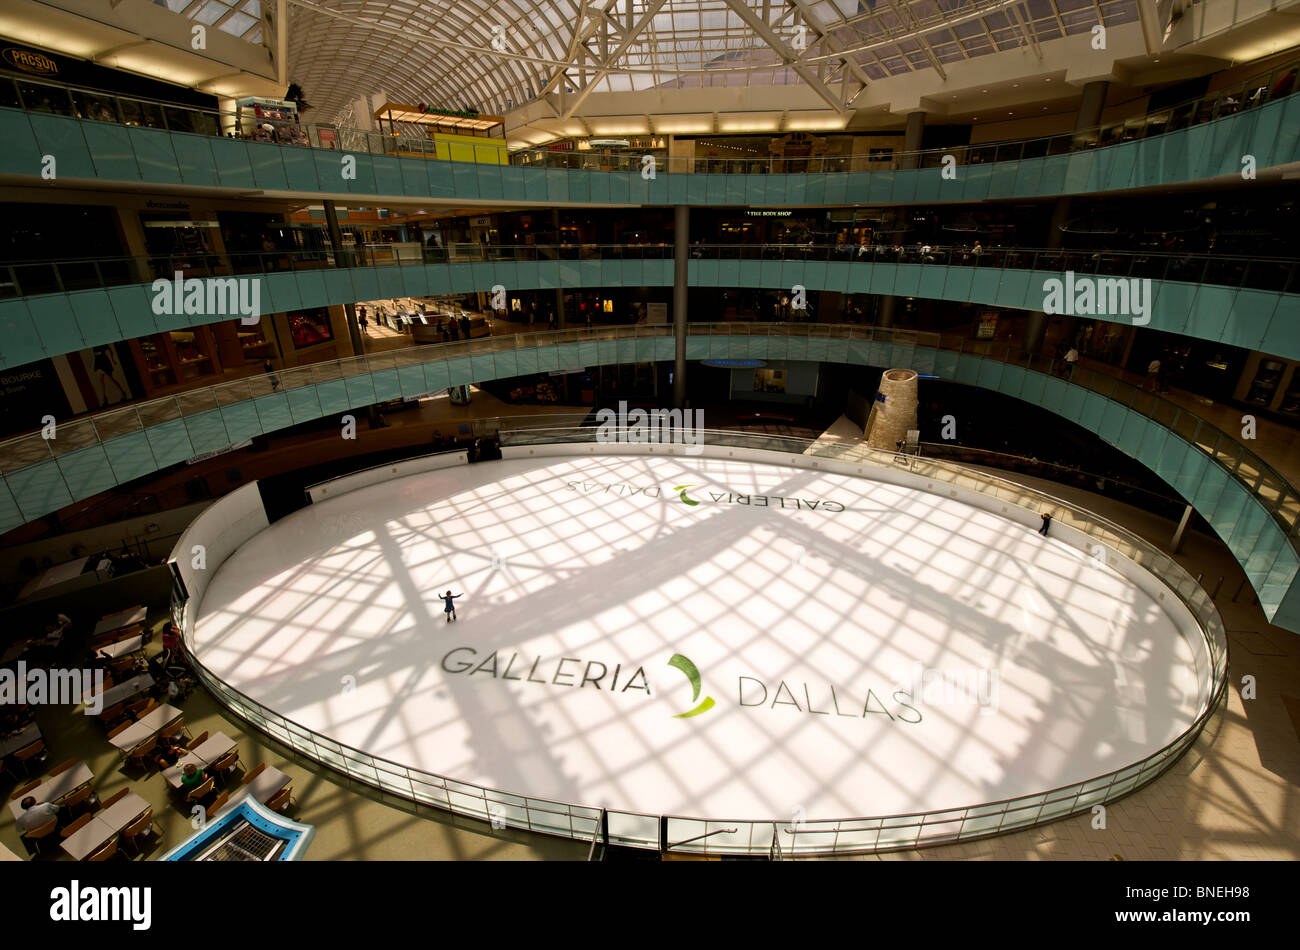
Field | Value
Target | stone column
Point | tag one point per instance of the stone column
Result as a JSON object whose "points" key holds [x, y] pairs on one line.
{"points": [[894, 411]]}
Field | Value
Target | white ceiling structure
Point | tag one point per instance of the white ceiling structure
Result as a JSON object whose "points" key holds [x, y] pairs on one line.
{"points": [[560, 68]]}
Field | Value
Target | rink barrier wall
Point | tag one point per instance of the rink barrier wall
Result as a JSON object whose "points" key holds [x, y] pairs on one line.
{"points": [[224, 531], [212, 537], [1248, 504], [334, 487]]}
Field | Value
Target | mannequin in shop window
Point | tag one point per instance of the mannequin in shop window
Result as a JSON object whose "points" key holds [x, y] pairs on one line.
{"points": [[105, 367]]}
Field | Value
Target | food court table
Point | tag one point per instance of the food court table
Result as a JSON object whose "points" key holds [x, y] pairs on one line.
{"points": [[104, 825], [11, 744], [125, 618], [149, 725], [262, 788], [57, 788], [122, 647], [122, 691], [203, 755]]}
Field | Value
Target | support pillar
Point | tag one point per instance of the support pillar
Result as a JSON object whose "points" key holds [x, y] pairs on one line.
{"points": [[1091, 103], [681, 258], [911, 144], [1177, 542]]}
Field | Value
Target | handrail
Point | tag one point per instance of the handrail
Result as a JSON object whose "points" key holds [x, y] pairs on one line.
{"points": [[32, 278], [98, 105], [1274, 492], [1080, 795]]}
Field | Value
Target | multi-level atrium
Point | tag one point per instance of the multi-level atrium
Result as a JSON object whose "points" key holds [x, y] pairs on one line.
{"points": [[822, 427]]}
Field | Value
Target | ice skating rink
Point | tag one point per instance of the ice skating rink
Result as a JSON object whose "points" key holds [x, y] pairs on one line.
{"points": [[763, 643]]}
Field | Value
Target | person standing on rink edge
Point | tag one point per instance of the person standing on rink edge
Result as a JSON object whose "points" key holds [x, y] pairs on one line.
{"points": [[450, 609], [1047, 520]]}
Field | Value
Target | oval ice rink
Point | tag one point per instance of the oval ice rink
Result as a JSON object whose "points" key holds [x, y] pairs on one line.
{"points": [[867, 649]]}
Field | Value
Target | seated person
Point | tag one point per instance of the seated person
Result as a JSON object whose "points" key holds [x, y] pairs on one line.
{"points": [[191, 777], [34, 815], [171, 644], [168, 750]]}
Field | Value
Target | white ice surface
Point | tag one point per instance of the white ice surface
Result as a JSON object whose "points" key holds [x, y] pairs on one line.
{"points": [[332, 617]]}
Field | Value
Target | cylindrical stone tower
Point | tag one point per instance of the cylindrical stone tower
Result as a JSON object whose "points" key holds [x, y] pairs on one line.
{"points": [[894, 411]]}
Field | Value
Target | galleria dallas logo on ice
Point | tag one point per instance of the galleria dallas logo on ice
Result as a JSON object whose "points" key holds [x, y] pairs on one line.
{"points": [[1099, 296], [210, 296]]}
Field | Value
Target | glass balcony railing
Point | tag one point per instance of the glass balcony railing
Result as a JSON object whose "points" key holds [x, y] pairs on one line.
{"points": [[1274, 493], [34, 95], [747, 836], [28, 278]]}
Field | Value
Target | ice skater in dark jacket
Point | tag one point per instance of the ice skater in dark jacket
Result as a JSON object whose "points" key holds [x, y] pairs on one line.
{"points": [[450, 609]]}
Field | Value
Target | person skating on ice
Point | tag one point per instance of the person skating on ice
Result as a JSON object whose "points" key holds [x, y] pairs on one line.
{"points": [[450, 609]]}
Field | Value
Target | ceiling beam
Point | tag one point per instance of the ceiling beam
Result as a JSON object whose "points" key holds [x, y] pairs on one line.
{"points": [[628, 39], [829, 42], [787, 55]]}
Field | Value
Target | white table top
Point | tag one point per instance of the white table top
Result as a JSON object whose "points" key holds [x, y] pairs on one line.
{"points": [[203, 755], [8, 746], [121, 813], [122, 691], [123, 647], [58, 787], [7, 855], [104, 825], [87, 838], [267, 783], [150, 725], [123, 619]]}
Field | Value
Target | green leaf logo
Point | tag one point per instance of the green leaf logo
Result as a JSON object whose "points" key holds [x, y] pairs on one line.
{"points": [[689, 501], [692, 674]]}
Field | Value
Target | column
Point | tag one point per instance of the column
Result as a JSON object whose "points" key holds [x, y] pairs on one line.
{"points": [[681, 258], [1091, 103], [343, 259], [911, 144]]}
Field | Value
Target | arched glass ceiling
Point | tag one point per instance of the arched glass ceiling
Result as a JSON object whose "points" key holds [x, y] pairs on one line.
{"points": [[442, 51]]}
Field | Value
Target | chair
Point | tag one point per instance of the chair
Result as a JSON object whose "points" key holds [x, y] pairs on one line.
{"points": [[202, 791], [138, 828], [76, 826], [149, 706], [135, 709], [197, 741], [248, 776], [19, 793], [62, 767], [174, 729], [218, 803], [225, 766], [281, 799], [111, 714], [106, 850], [138, 755], [116, 797], [35, 836], [82, 796], [32, 754]]}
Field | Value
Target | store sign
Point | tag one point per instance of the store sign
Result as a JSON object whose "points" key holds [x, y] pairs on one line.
{"points": [[30, 61], [767, 213], [734, 364]]}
